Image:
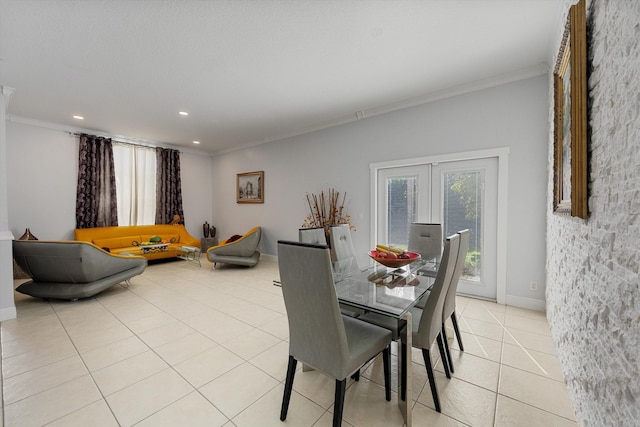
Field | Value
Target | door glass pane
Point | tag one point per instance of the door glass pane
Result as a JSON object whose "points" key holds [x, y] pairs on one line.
{"points": [[463, 194], [402, 205]]}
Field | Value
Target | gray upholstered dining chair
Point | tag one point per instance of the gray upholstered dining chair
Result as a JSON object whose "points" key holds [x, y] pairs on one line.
{"points": [[427, 322], [319, 335], [314, 235], [426, 239], [343, 253], [449, 306]]}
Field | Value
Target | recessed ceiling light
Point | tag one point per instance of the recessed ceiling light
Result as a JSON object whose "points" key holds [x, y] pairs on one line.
{"points": [[196, 142], [183, 113], [78, 117]]}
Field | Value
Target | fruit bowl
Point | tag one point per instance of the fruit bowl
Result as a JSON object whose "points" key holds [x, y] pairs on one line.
{"points": [[394, 262]]}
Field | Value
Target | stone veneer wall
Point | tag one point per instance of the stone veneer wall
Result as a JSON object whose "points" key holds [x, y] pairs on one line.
{"points": [[593, 296]]}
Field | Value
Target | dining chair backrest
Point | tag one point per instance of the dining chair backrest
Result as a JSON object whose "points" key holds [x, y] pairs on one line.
{"points": [[431, 319], [343, 252], [450, 299], [316, 330], [426, 239], [314, 235]]}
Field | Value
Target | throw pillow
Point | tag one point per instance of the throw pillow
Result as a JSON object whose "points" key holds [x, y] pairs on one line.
{"points": [[233, 238]]}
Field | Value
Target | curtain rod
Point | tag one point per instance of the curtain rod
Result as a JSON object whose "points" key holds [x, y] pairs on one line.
{"points": [[151, 147]]}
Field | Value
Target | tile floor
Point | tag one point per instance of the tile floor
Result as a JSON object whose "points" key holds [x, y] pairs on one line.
{"points": [[190, 346]]}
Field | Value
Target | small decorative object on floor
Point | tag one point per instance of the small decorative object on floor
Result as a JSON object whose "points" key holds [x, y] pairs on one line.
{"points": [[206, 229]]}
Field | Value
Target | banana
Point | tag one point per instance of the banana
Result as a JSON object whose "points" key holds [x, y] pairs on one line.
{"points": [[387, 249]]}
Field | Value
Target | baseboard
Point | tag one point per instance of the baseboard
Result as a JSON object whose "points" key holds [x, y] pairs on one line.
{"points": [[522, 302], [8, 313]]}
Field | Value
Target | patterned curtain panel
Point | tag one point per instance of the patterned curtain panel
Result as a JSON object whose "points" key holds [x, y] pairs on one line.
{"points": [[96, 193], [168, 186]]}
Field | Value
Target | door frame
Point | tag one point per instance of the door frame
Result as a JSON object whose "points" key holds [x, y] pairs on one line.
{"points": [[502, 154]]}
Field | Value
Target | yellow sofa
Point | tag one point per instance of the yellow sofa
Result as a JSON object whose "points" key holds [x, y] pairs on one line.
{"points": [[127, 239]]}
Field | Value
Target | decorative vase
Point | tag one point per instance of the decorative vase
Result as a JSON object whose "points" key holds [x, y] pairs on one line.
{"points": [[212, 231], [206, 229], [27, 235]]}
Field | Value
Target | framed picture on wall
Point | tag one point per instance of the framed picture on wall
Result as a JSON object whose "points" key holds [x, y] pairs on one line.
{"points": [[570, 118], [250, 187]]}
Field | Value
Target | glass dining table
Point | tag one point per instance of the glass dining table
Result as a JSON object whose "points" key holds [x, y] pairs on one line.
{"points": [[390, 292]]}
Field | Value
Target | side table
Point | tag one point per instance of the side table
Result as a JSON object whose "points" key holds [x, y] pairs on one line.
{"points": [[207, 242]]}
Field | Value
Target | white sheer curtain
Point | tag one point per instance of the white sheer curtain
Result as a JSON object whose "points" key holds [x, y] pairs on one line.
{"points": [[135, 169]]}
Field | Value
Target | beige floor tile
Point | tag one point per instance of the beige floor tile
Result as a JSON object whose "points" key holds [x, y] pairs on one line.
{"points": [[183, 348], [144, 398], [97, 414], [149, 323], [251, 344], [115, 352], [274, 361], [207, 366], [327, 421], [34, 342], [166, 333], [510, 412], [529, 340], [523, 312], [483, 312], [489, 330], [42, 379], [90, 340], [234, 391], [265, 412], [539, 326], [278, 327], [532, 361], [23, 328], [226, 329], [316, 386], [423, 416], [192, 410], [478, 346], [475, 370], [542, 393], [46, 355], [462, 401], [42, 408], [365, 405], [122, 374]]}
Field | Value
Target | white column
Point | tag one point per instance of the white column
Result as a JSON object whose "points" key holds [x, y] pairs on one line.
{"points": [[7, 303]]}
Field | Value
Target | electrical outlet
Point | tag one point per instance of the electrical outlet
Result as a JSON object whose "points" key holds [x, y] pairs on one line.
{"points": [[533, 286]]}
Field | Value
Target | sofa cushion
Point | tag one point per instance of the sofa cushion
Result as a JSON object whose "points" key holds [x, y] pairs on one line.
{"points": [[117, 242]]}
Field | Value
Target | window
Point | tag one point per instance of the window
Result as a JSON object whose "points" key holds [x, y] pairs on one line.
{"points": [[135, 169]]}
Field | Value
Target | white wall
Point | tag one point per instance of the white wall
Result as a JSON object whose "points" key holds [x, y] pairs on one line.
{"points": [[514, 115], [593, 295], [42, 177]]}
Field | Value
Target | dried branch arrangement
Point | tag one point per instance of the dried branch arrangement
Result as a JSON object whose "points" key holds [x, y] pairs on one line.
{"points": [[326, 210]]}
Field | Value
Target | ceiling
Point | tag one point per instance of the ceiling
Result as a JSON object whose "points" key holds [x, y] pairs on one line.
{"points": [[253, 71]]}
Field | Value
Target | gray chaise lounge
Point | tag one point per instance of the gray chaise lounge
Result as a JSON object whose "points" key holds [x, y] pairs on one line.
{"points": [[71, 269]]}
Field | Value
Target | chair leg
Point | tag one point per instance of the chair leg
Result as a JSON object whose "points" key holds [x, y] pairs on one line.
{"points": [[446, 348], [356, 375], [338, 404], [443, 356], [386, 360], [432, 380], [288, 386], [455, 328]]}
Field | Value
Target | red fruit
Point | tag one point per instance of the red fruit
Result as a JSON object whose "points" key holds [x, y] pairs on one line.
{"points": [[391, 255]]}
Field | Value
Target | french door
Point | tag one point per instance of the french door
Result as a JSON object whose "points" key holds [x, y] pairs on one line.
{"points": [[457, 194]]}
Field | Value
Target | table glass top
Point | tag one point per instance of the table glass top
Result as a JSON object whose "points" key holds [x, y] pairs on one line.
{"points": [[384, 290]]}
